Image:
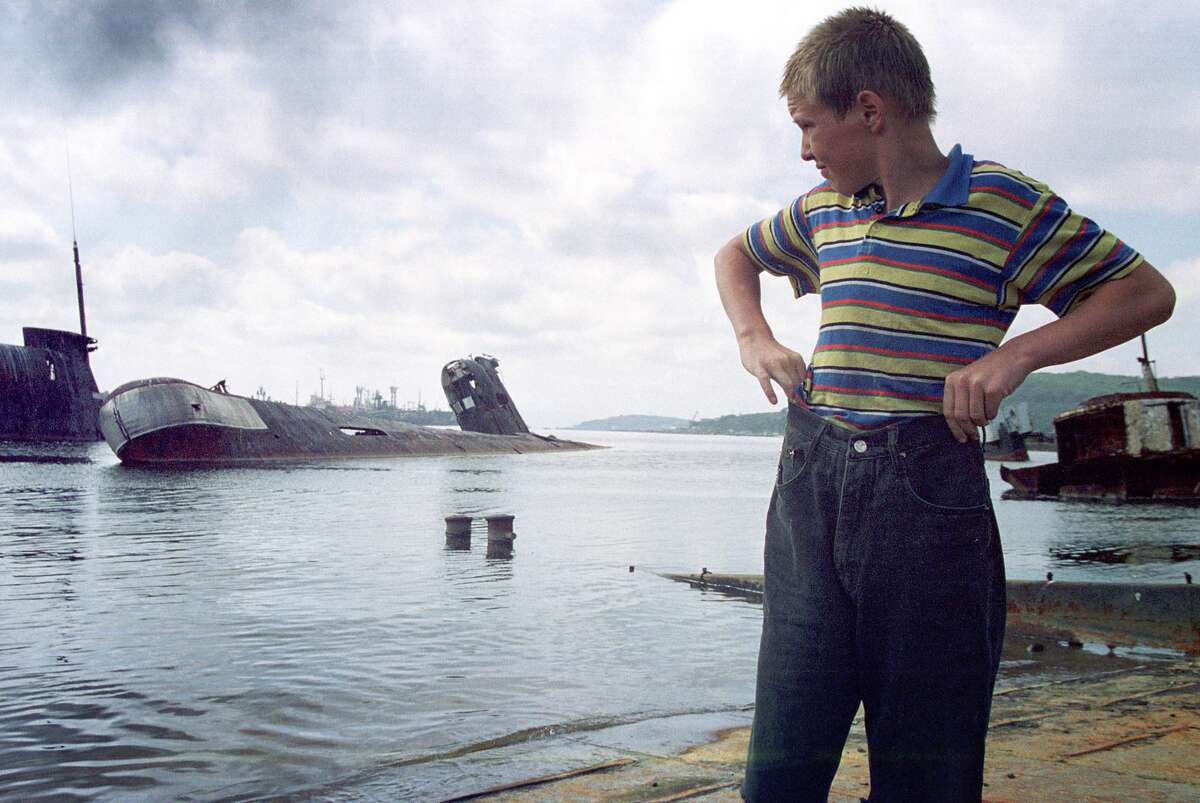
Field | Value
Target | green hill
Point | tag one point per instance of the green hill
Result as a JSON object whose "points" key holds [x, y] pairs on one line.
{"points": [[634, 423], [1047, 395], [748, 424]]}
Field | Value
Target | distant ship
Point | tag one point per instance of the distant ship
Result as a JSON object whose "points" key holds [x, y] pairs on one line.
{"points": [[1004, 438], [47, 390], [171, 421], [1121, 447]]}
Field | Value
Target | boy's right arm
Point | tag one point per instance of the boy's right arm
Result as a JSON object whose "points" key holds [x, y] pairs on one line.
{"points": [[741, 295]]}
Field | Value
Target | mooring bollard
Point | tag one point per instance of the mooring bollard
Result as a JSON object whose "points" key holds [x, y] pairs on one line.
{"points": [[458, 532], [500, 535]]}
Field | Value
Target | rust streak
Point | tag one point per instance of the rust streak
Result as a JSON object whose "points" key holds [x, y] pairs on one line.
{"points": [[1151, 693], [1022, 720], [1081, 679], [1145, 737]]}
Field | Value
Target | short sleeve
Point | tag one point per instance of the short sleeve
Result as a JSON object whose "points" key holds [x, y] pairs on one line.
{"points": [[782, 245], [1060, 257]]}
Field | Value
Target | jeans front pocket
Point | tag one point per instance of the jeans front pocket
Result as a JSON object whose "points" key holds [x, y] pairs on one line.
{"points": [[948, 478], [792, 461]]}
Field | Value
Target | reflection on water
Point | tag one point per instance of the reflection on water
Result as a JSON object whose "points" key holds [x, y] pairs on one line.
{"points": [[1136, 554], [261, 631]]}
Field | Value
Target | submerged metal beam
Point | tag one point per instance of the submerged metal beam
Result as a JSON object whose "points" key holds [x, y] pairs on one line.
{"points": [[1142, 614]]}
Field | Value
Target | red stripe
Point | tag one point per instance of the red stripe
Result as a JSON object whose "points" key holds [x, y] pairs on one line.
{"points": [[841, 224], [867, 392], [894, 353], [1028, 230], [1061, 250], [1116, 247], [915, 312], [913, 266], [997, 191], [958, 229]]}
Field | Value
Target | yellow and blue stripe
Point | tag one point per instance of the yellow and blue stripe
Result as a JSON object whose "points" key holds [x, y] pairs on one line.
{"points": [[910, 294]]}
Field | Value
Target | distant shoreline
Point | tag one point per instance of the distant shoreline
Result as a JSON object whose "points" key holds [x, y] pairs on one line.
{"points": [[1046, 394]]}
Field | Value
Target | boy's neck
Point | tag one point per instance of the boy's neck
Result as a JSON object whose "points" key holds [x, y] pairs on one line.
{"points": [[910, 164]]}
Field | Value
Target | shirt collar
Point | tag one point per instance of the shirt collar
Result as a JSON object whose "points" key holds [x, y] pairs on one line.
{"points": [[954, 186]]}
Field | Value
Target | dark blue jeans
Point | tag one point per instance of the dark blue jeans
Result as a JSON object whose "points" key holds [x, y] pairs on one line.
{"points": [[884, 585]]}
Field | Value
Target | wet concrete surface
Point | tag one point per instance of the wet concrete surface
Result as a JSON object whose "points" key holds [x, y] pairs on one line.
{"points": [[1066, 724], [1069, 722]]}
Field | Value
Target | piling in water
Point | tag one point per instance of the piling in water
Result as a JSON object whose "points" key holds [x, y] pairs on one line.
{"points": [[500, 535], [458, 532]]}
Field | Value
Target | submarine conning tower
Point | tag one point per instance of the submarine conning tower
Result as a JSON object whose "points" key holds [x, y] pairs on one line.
{"points": [[479, 399], [47, 389]]}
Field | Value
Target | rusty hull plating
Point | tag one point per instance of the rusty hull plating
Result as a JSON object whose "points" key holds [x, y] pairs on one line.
{"points": [[1121, 447]]}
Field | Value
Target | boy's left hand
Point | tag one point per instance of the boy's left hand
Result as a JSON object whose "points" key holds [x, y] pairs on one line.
{"points": [[974, 392]]}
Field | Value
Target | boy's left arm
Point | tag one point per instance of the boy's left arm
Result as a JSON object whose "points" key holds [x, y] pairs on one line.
{"points": [[1116, 311]]}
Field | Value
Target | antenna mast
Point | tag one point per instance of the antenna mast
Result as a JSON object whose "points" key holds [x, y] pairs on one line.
{"points": [[1148, 368], [75, 248]]}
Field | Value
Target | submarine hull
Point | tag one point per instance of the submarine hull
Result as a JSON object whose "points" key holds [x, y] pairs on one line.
{"points": [[172, 421]]}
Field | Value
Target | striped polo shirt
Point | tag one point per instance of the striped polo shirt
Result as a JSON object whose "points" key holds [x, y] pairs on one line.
{"points": [[910, 294]]}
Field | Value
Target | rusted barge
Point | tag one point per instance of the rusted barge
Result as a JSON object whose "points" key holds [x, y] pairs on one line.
{"points": [[47, 390], [1123, 447], [171, 421]]}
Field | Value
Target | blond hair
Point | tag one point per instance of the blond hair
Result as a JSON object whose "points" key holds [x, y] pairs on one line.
{"points": [[860, 48]]}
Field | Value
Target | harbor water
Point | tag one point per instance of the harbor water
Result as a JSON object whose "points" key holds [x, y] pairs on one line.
{"points": [[304, 631]]}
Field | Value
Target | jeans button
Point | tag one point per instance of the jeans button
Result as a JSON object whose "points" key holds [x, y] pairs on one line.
{"points": [[860, 446]]}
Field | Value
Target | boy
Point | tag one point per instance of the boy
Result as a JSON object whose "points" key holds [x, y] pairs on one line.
{"points": [[883, 570]]}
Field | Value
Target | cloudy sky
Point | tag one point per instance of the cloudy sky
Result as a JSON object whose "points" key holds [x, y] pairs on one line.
{"points": [[265, 191]]}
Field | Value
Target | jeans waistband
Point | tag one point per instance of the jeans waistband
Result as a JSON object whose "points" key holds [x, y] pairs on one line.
{"points": [[805, 426]]}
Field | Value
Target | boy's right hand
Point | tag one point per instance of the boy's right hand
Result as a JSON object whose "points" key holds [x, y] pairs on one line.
{"points": [[767, 359]]}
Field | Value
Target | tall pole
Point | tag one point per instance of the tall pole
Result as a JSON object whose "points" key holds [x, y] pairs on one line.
{"points": [[1147, 368], [79, 291], [75, 247]]}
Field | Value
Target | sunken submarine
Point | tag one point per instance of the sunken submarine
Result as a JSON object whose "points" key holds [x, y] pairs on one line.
{"points": [[172, 421], [47, 389]]}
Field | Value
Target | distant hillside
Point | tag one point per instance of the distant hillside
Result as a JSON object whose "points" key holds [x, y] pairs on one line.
{"points": [[748, 424], [634, 423], [1047, 395]]}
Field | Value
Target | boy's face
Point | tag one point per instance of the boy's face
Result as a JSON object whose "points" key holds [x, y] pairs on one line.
{"points": [[841, 147]]}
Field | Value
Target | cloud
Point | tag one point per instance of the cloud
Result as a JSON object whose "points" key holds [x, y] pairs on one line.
{"points": [[266, 190]]}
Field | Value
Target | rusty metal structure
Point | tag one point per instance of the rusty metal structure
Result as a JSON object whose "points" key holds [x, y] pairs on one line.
{"points": [[171, 421], [478, 397], [47, 390], [1121, 447]]}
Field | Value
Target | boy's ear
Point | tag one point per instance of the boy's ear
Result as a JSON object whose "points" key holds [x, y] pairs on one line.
{"points": [[872, 110]]}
